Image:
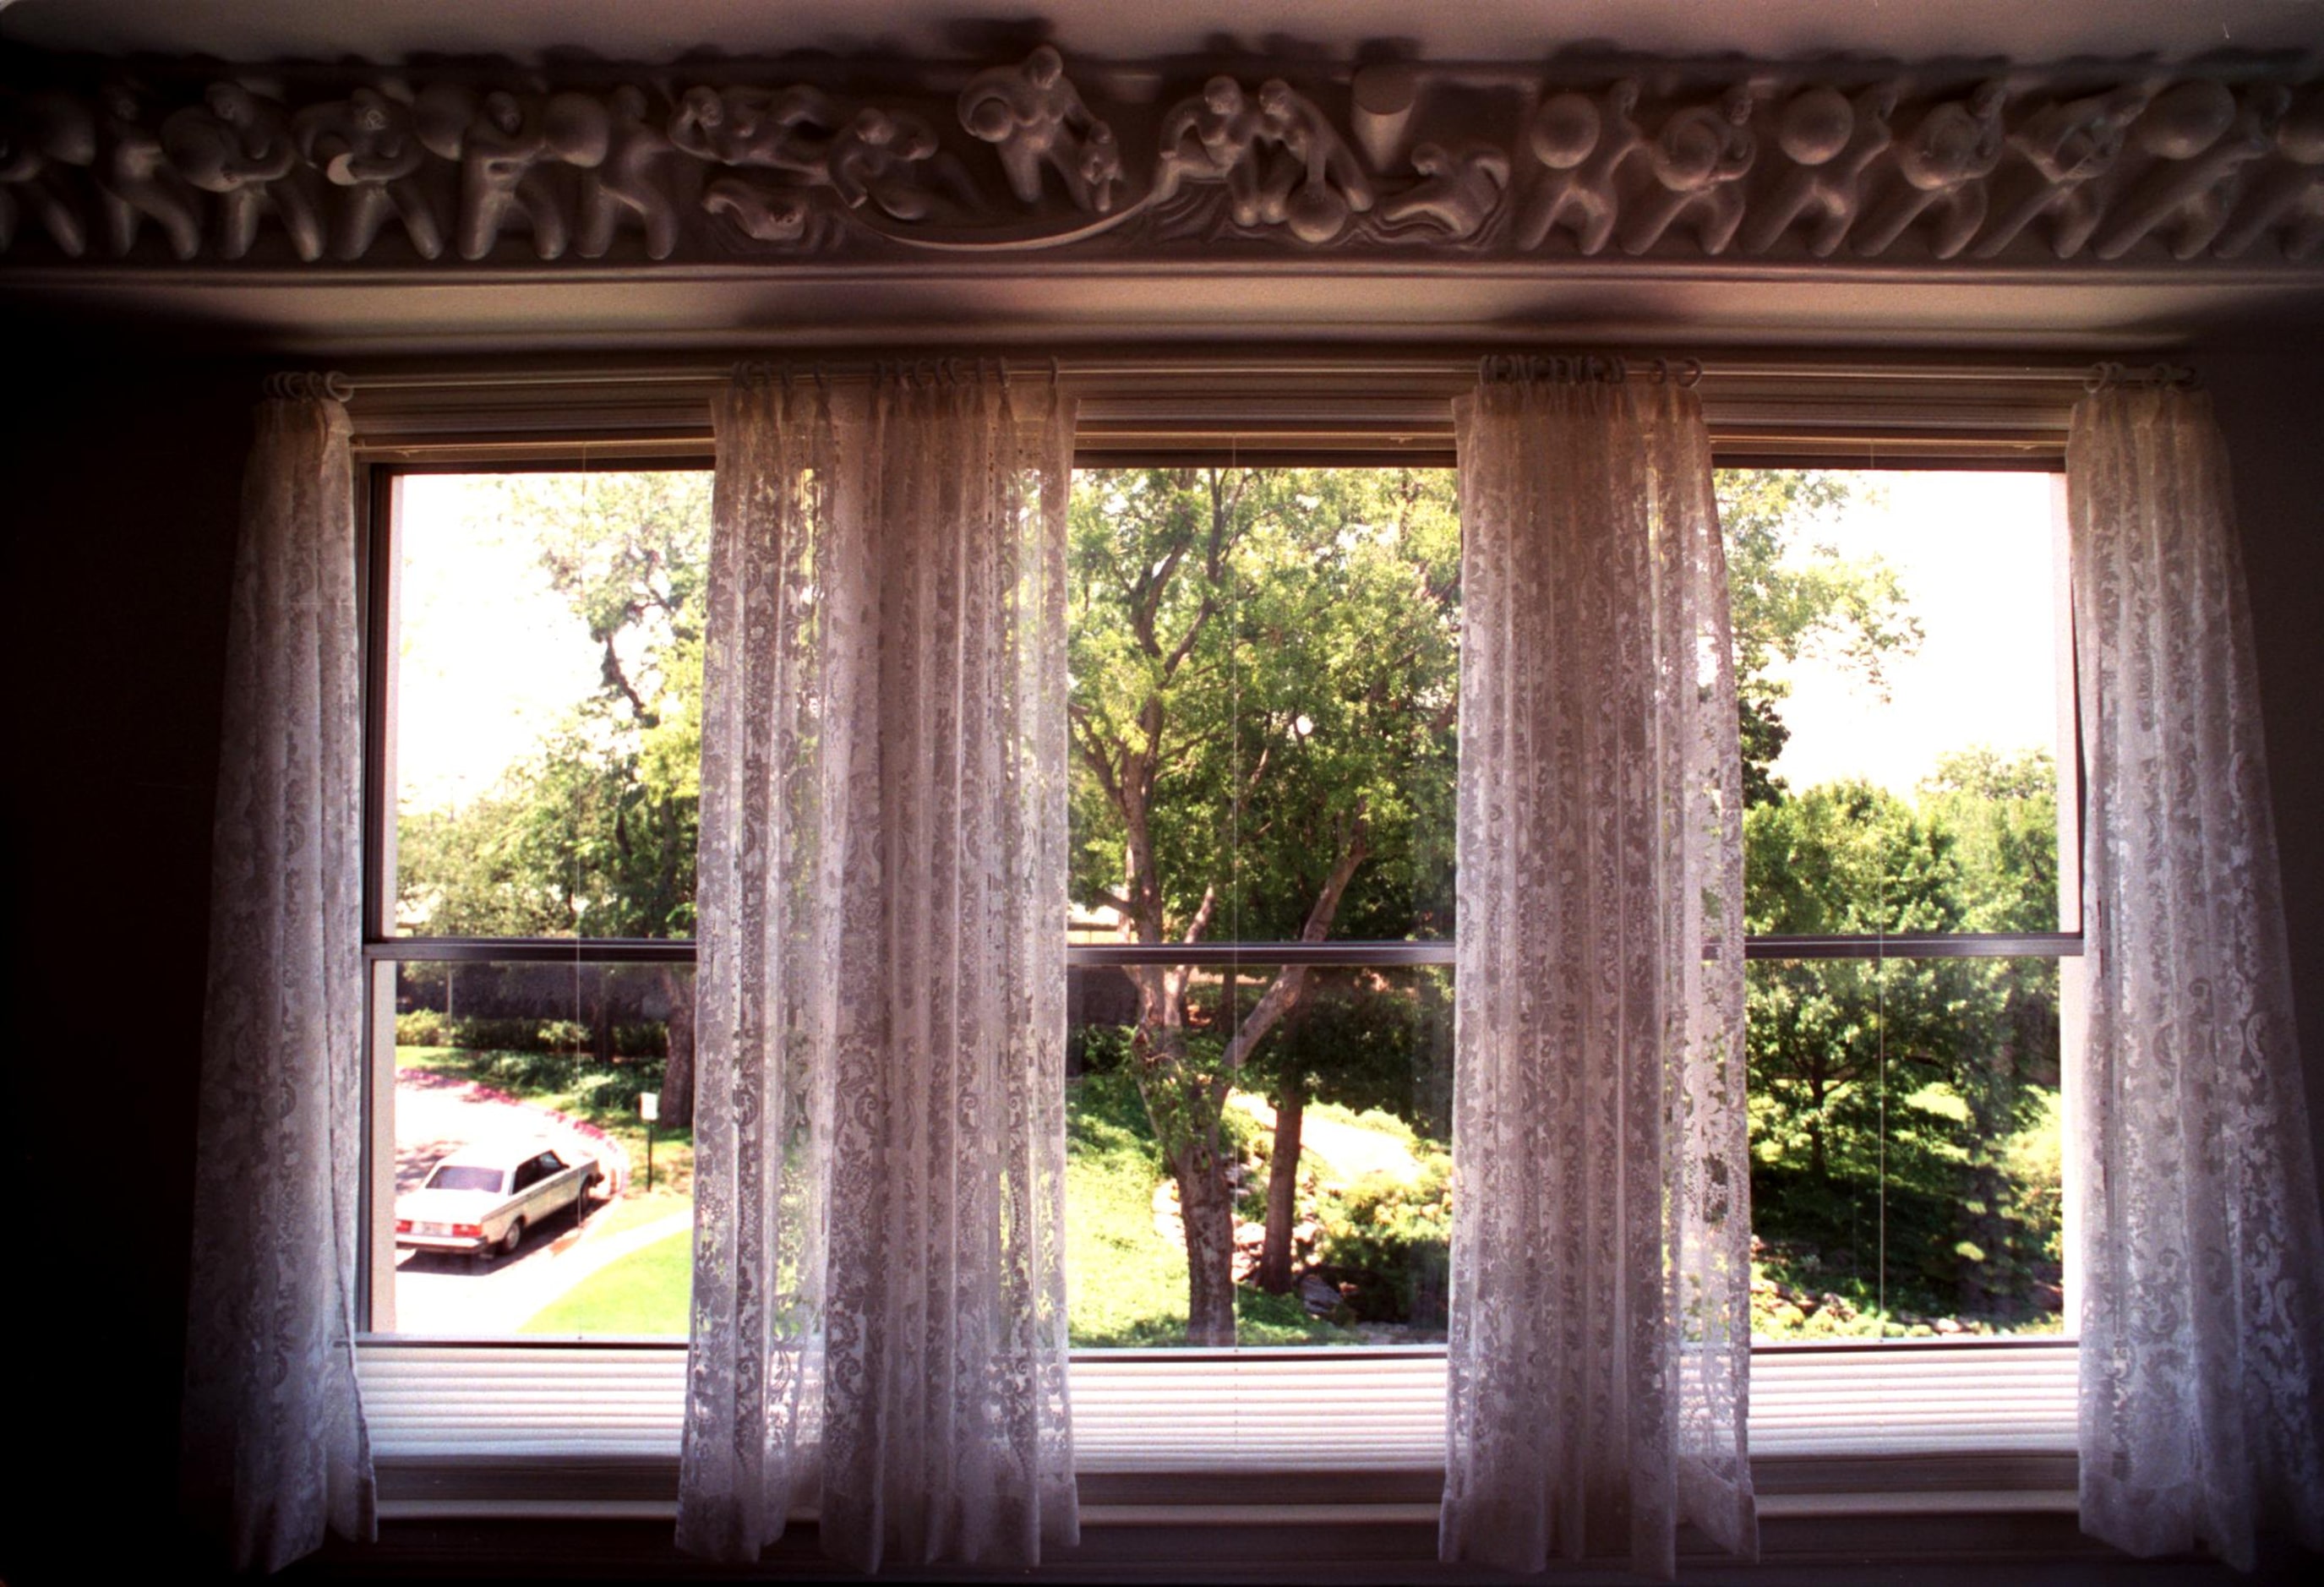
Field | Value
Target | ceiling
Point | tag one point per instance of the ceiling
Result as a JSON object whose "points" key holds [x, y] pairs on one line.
{"points": [[653, 30]]}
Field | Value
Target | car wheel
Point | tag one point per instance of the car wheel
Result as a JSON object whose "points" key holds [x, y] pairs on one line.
{"points": [[513, 1239]]}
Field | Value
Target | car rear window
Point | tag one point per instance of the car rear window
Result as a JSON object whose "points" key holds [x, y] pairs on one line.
{"points": [[455, 1176]]}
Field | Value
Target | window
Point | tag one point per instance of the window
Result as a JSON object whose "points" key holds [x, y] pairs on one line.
{"points": [[538, 639], [549, 965]]}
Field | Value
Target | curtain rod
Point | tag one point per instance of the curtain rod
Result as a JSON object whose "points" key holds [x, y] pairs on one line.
{"points": [[1245, 368]]}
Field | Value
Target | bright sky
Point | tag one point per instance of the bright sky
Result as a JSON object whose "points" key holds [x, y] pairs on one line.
{"points": [[1974, 553], [492, 659]]}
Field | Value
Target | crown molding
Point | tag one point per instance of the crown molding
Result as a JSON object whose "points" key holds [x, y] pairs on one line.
{"points": [[817, 166]]}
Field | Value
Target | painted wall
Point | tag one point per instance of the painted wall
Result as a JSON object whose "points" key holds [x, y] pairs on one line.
{"points": [[119, 477]]}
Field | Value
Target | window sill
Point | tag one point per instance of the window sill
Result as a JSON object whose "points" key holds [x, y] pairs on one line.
{"points": [[465, 1431]]}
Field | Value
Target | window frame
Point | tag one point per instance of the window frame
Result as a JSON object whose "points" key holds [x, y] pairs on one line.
{"points": [[1776, 417]]}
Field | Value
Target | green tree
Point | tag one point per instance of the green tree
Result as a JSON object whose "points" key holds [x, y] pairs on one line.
{"points": [[1891, 1096], [593, 833], [1263, 701], [1264, 679]]}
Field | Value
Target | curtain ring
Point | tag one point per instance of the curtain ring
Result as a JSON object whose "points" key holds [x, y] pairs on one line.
{"points": [[307, 385]]}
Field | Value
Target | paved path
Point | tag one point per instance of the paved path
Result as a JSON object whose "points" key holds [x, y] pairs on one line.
{"points": [[440, 1295]]}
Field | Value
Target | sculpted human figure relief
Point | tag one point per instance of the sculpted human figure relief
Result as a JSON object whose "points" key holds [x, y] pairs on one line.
{"points": [[889, 158], [43, 135], [2292, 199], [2065, 148], [1584, 144], [1828, 140], [502, 143], [1698, 159], [2209, 165], [1033, 117], [1212, 138], [1459, 189], [2206, 136], [364, 144], [240, 147], [135, 182], [633, 181], [781, 129], [1943, 164], [1315, 183], [781, 215]]}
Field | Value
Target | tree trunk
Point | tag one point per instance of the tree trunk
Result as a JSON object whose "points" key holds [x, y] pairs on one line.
{"points": [[1206, 1203], [1283, 1184], [677, 1070]]}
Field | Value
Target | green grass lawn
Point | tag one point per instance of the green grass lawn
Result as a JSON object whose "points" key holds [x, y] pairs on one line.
{"points": [[646, 1292], [1125, 1283], [635, 1209]]}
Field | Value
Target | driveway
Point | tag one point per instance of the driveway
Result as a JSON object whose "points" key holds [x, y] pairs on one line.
{"points": [[439, 1295]]}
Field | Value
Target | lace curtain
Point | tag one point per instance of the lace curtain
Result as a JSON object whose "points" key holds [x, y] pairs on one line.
{"points": [[2200, 1314], [1601, 1317], [274, 1444], [879, 1290]]}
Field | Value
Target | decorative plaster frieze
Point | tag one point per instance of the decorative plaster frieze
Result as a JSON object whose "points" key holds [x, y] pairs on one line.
{"points": [[1159, 162]]}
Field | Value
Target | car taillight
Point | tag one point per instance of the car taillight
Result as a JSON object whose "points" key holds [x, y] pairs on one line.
{"points": [[403, 1225], [467, 1230]]}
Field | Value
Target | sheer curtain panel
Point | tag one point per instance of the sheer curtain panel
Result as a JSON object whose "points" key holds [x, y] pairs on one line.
{"points": [[273, 1445], [879, 1290], [2201, 1317], [1601, 1317]]}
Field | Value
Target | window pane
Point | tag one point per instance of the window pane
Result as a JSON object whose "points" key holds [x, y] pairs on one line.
{"points": [[545, 737], [1264, 668], [1906, 1147], [1365, 1059], [495, 1064], [1900, 663]]}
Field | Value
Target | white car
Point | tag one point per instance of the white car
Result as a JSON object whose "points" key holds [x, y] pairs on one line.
{"points": [[483, 1199]]}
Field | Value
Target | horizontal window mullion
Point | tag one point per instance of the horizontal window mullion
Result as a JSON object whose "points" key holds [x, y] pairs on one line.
{"points": [[1082, 955], [1920, 945], [531, 950]]}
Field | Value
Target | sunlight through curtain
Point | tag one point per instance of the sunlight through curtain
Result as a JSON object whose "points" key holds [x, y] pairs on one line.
{"points": [[2202, 1322], [274, 1450], [1601, 1314], [878, 1292]]}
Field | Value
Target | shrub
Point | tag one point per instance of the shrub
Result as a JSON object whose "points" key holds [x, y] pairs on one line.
{"points": [[1393, 1238]]}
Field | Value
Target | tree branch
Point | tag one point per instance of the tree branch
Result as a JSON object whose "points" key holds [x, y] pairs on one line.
{"points": [[1202, 921], [1289, 987]]}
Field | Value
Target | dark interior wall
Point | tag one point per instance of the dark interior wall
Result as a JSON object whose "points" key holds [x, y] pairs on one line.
{"points": [[119, 482], [2271, 405]]}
